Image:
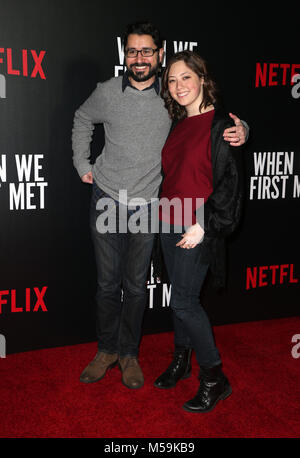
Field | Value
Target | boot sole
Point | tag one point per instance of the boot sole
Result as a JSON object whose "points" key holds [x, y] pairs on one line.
{"points": [[128, 386], [174, 384], [222, 397], [132, 387], [111, 366]]}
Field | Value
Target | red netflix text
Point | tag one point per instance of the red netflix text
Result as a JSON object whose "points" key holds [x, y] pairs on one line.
{"points": [[31, 300], [29, 62], [259, 276], [268, 74]]}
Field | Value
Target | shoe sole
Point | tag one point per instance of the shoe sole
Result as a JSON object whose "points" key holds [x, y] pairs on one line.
{"points": [[111, 366], [132, 387], [222, 397], [172, 386]]}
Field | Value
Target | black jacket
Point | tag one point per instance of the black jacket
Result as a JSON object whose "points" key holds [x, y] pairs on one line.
{"points": [[222, 210]]}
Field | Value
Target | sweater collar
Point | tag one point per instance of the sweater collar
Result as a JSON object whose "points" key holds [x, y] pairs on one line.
{"points": [[126, 82]]}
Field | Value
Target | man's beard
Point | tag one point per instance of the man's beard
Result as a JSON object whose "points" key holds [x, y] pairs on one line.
{"points": [[140, 76]]}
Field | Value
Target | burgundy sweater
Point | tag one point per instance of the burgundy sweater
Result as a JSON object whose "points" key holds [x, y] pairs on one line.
{"points": [[186, 162]]}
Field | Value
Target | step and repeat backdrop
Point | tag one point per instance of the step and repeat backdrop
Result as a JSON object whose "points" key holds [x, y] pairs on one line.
{"points": [[52, 54]]}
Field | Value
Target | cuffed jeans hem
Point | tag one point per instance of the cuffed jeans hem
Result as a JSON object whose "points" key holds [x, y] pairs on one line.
{"points": [[210, 366], [109, 352], [182, 347], [128, 355], [121, 355]]}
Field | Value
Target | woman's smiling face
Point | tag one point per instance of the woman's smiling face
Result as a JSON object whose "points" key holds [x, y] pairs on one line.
{"points": [[185, 87]]}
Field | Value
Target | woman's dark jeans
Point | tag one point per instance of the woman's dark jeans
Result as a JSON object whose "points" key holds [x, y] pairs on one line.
{"points": [[123, 261], [192, 328]]}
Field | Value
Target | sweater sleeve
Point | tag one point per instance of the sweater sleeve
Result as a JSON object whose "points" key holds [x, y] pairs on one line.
{"points": [[247, 129], [91, 112]]}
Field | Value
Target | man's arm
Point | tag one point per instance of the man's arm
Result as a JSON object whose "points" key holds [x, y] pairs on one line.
{"points": [[91, 112], [238, 134]]}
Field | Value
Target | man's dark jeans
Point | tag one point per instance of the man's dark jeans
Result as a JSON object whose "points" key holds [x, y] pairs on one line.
{"points": [[192, 328], [123, 261]]}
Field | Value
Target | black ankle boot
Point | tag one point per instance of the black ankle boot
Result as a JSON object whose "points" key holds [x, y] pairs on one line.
{"points": [[214, 386], [180, 368]]}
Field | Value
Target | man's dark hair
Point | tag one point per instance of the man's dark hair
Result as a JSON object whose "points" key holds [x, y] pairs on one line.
{"points": [[143, 28]]}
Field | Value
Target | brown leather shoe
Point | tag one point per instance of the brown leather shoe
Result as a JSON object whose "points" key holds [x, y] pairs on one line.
{"points": [[97, 368], [132, 375]]}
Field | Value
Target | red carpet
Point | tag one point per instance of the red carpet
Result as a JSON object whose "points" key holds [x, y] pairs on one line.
{"points": [[41, 396]]}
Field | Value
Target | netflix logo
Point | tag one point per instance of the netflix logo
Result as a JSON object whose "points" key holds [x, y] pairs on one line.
{"points": [[280, 274], [276, 74], [29, 62], [30, 300], [26, 63], [268, 74]]}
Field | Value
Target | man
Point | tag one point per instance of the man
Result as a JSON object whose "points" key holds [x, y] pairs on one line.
{"points": [[136, 126]]}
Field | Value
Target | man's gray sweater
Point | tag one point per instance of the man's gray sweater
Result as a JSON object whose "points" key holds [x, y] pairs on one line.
{"points": [[136, 125]]}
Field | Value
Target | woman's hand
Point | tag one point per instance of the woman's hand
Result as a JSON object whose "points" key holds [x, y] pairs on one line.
{"points": [[87, 178], [191, 237]]}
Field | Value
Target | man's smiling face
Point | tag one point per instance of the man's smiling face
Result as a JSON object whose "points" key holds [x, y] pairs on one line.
{"points": [[142, 68]]}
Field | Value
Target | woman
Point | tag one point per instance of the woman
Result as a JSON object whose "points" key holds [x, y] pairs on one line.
{"points": [[197, 163]]}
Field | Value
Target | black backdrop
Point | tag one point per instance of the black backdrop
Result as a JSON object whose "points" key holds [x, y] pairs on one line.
{"points": [[52, 54]]}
